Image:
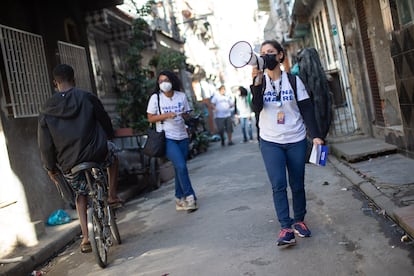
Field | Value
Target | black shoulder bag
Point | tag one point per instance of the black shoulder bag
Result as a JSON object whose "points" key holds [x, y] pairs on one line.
{"points": [[155, 144]]}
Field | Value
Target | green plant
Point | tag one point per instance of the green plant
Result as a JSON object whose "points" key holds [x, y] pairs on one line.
{"points": [[168, 59], [135, 85], [202, 141]]}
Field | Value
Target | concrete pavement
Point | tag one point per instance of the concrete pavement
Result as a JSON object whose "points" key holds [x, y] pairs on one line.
{"points": [[387, 180], [383, 174]]}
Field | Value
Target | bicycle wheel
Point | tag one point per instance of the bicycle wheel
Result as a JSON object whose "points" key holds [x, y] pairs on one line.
{"points": [[96, 237], [114, 226]]}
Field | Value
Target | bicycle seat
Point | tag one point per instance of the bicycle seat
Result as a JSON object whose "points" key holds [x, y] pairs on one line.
{"points": [[84, 166]]}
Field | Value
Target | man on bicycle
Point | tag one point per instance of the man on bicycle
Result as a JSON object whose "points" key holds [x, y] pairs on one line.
{"points": [[73, 127]]}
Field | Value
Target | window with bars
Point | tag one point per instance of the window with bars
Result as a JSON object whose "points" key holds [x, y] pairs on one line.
{"points": [[76, 57], [26, 80], [405, 12]]}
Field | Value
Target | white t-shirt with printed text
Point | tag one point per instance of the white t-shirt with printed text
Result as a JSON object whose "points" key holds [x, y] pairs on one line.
{"points": [[293, 128], [224, 105], [174, 128]]}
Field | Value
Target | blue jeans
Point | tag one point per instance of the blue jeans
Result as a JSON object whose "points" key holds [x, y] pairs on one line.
{"points": [[246, 127], [177, 151], [278, 158]]}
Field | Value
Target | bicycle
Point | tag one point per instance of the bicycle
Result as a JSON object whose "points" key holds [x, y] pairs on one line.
{"points": [[133, 162], [102, 225]]}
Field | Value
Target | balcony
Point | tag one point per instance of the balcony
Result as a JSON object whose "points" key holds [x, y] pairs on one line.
{"points": [[299, 15]]}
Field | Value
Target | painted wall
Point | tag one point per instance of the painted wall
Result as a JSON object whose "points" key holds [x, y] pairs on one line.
{"points": [[390, 66]]}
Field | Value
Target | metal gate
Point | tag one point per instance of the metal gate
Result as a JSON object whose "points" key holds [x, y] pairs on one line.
{"points": [[28, 85], [76, 57], [342, 119]]}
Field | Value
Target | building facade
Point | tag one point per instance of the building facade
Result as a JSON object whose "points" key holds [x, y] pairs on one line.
{"points": [[91, 36], [365, 47], [33, 40]]}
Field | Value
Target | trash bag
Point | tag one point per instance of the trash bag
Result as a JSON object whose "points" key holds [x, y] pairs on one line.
{"points": [[58, 217]]}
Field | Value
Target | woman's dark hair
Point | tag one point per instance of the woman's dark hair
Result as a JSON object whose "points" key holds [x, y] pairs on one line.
{"points": [[243, 91], [175, 81], [276, 45], [63, 72]]}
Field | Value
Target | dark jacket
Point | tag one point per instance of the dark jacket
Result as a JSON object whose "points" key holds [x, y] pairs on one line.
{"points": [[73, 127]]}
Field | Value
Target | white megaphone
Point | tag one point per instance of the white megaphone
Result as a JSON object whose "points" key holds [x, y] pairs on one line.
{"points": [[242, 54]]}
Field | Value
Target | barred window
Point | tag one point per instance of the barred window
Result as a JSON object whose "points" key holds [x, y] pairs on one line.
{"points": [[76, 57], [405, 11], [27, 84]]}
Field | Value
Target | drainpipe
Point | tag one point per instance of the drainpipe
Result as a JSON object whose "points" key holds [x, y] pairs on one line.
{"points": [[342, 62]]}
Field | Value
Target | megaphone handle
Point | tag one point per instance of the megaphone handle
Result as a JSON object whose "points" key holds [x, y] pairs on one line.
{"points": [[257, 81], [257, 62], [258, 78]]}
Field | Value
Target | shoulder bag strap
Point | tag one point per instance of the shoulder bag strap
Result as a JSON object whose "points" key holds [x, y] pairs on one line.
{"points": [[159, 108], [292, 80]]}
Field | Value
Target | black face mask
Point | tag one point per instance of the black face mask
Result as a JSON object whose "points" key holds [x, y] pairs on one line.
{"points": [[270, 61]]}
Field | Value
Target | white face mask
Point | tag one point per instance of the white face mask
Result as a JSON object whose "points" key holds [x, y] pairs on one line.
{"points": [[165, 86]]}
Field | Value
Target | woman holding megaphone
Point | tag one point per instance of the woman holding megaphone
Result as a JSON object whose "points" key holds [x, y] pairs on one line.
{"points": [[283, 117]]}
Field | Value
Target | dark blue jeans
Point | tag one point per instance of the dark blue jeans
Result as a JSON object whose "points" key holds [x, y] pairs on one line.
{"points": [[278, 159], [177, 151]]}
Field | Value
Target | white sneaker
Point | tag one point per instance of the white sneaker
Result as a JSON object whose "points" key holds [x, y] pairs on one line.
{"points": [[180, 204], [190, 204]]}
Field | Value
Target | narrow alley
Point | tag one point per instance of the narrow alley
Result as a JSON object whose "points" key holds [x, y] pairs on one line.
{"points": [[235, 229]]}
